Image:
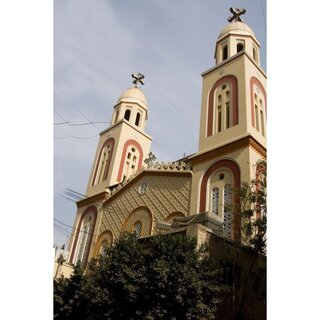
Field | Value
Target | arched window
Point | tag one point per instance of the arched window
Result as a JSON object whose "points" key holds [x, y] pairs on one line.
{"points": [[85, 236], [116, 116], [225, 52], [240, 46], [103, 162], [104, 247], [138, 119], [216, 187], [127, 114], [254, 53], [258, 106], [223, 99]]}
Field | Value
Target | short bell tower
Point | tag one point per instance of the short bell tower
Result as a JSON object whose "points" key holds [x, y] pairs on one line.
{"points": [[124, 145]]}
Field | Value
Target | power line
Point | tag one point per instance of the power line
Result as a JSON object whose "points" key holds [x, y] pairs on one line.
{"points": [[80, 124], [75, 137], [170, 102]]}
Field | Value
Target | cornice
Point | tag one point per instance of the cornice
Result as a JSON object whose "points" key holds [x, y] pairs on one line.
{"points": [[242, 143], [89, 200]]}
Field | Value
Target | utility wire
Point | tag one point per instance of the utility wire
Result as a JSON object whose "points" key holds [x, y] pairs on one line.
{"points": [[170, 102]]}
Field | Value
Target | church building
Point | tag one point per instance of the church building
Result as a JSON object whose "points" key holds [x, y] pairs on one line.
{"points": [[128, 191]]}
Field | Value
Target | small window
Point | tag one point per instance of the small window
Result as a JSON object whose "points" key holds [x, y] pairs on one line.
{"points": [[129, 155], [138, 119], [116, 117], [137, 228], [225, 52], [254, 54], [127, 114], [240, 46]]}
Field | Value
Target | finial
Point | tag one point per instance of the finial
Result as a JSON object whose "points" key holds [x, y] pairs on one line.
{"points": [[137, 77], [236, 14]]}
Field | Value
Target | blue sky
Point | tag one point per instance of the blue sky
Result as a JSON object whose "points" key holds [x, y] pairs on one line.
{"points": [[98, 44]]}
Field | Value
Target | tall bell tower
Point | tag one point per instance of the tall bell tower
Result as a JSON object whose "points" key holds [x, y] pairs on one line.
{"points": [[234, 94], [232, 139], [124, 145]]}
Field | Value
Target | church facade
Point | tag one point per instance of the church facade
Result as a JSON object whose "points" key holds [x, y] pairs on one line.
{"points": [[128, 191]]}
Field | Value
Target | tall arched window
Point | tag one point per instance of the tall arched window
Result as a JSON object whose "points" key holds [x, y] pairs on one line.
{"points": [[223, 104], [225, 52], [127, 114], [223, 110], [223, 175], [103, 162], [138, 116], [258, 106], [84, 238]]}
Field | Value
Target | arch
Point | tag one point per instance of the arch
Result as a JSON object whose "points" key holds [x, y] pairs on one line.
{"points": [[127, 114], [235, 110], [142, 215], [235, 170], [173, 215], [110, 142], [106, 235], [240, 46], [123, 157], [255, 81], [88, 211], [138, 116]]}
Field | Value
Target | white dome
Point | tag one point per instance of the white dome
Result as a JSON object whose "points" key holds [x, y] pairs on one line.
{"points": [[133, 95], [236, 27]]}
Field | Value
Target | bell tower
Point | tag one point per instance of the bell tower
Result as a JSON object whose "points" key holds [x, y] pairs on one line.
{"points": [[232, 139], [124, 145], [234, 94]]}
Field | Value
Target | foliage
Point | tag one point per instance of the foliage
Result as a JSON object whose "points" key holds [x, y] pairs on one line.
{"points": [[162, 278], [253, 201]]}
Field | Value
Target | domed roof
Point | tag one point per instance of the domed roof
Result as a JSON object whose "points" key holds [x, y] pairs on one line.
{"points": [[133, 94], [236, 27]]}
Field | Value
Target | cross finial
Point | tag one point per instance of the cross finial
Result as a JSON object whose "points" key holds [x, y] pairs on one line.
{"points": [[148, 161], [137, 77], [236, 14]]}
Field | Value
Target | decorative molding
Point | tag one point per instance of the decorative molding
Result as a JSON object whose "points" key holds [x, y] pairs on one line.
{"points": [[89, 210], [168, 192], [211, 102], [255, 81], [172, 167], [242, 143]]}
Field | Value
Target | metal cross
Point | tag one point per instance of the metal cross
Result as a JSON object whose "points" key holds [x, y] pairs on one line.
{"points": [[236, 14], [148, 161], [137, 77]]}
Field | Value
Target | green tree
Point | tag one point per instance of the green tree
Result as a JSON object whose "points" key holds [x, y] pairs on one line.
{"points": [[162, 277], [253, 202]]}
